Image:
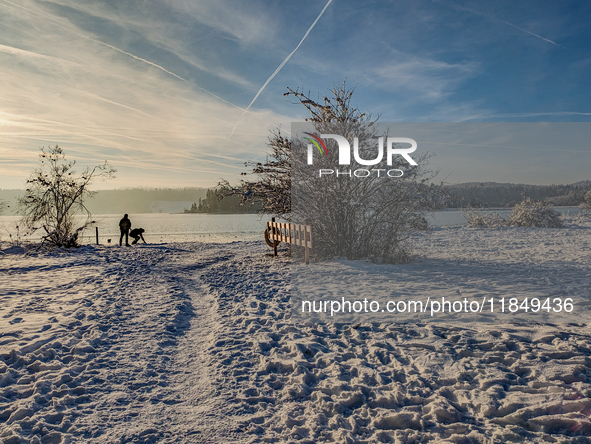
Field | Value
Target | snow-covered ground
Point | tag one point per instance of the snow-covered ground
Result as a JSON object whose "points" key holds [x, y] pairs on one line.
{"points": [[545, 272], [193, 342]]}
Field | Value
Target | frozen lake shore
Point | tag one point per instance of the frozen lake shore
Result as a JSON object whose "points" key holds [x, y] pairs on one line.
{"points": [[193, 342]]}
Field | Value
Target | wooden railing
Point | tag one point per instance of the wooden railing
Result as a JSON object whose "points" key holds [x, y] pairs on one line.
{"points": [[295, 234]]}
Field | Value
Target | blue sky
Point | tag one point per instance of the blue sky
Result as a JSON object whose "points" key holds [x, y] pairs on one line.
{"points": [[157, 88]]}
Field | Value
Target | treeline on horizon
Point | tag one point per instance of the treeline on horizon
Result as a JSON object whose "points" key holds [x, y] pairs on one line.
{"points": [[204, 200], [229, 204], [130, 200], [501, 195]]}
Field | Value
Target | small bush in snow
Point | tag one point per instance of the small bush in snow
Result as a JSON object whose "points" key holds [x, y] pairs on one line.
{"points": [[586, 205], [55, 194], [530, 213], [476, 218], [583, 217]]}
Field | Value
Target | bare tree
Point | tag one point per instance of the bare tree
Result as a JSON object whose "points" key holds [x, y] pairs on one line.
{"points": [[55, 194], [272, 186], [369, 217], [353, 218]]}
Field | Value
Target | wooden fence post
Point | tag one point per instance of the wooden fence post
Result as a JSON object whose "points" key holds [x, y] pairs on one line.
{"points": [[294, 234], [274, 241], [97, 242], [307, 253]]}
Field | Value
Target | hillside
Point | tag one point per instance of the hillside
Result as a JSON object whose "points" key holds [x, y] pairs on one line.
{"points": [[493, 194], [203, 200], [132, 200]]}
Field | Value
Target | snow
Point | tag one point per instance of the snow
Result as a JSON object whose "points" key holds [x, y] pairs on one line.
{"points": [[195, 342], [458, 263]]}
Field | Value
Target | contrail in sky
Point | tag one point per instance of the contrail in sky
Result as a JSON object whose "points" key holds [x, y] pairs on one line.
{"points": [[529, 32], [281, 65], [114, 48], [483, 14]]}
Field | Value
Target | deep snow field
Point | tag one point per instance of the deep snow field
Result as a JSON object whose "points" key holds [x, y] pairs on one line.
{"points": [[193, 342]]}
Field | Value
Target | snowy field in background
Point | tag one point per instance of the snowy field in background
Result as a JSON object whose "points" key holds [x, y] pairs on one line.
{"points": [[192, 342], [545, 272]]}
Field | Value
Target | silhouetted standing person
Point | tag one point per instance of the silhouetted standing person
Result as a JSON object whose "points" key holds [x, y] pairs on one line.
{"points": [[124, 226], [137, 233]]}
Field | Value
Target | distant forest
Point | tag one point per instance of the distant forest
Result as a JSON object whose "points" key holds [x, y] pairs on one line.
{"points": [[132, 200], [474, 194], [213, 204], [492, 194], [203, 200]]}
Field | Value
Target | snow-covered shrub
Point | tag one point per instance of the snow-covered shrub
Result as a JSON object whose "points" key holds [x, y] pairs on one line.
{"points": [[581, 218], [55, 194], [586, 205], [477, 218], [531, 213], [353, 217]]}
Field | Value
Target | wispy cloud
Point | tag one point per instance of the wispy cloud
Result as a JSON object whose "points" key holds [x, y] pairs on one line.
{"points": [[78, 34], [114, 48], [23, 53], [244, 22], [101, 102], [424, 78], [492, 17], [171, 36], [540, 114], [281, 65]]}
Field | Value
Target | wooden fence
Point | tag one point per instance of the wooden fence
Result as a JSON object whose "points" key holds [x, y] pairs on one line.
{"points": [[295, 234]]}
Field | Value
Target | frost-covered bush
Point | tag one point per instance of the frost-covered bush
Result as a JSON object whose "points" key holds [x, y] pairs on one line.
{"points": [[353, 217], [55, 194], [476, 218], [527, 213], [586, 205], [583, 217], [531, 213]]}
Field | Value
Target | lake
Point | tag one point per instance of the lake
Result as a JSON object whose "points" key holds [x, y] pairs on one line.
{"points": [[164, 227]]}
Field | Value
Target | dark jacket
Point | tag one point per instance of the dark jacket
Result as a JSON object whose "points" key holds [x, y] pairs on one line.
{"points": [[125, 224]]}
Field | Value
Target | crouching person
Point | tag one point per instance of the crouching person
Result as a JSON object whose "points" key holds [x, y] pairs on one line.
{"points": [[137, 234]]}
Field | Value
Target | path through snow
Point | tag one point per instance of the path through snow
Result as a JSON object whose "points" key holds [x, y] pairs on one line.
{"points": [[110, 345]]}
